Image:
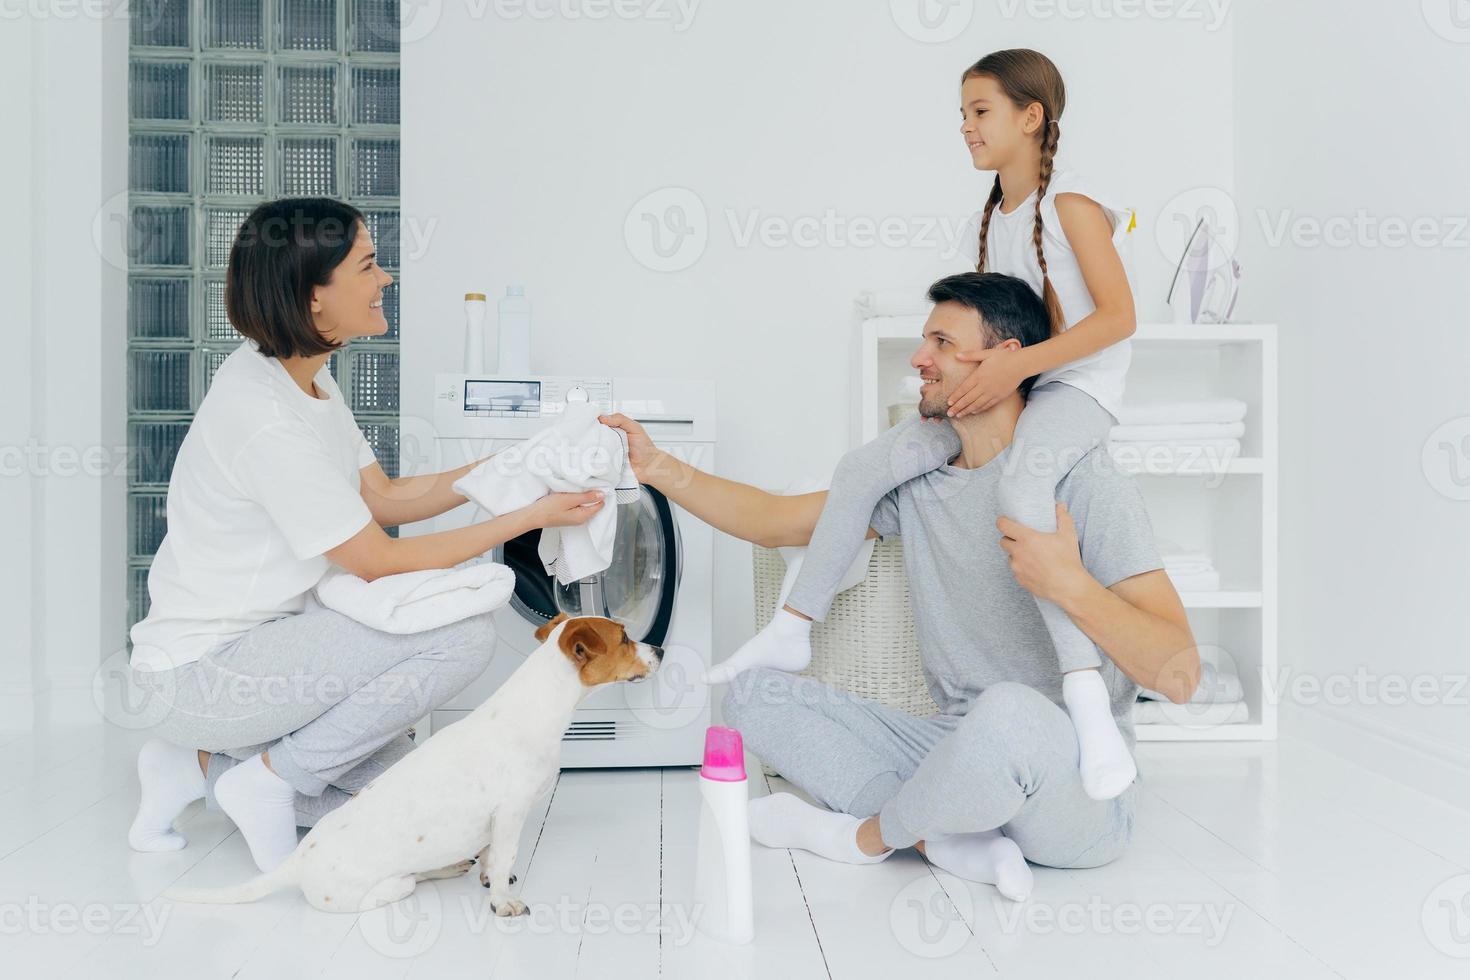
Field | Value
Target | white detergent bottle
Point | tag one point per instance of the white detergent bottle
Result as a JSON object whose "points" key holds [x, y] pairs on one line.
{"points": [[515, 332], [475, 309], [724, 906]]}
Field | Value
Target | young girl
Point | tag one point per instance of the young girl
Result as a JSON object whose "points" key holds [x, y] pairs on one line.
{"points": [[1042, 226]]}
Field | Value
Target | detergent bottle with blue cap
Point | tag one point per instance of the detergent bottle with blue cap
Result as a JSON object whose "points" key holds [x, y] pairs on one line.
{"points": [[724, 903]]}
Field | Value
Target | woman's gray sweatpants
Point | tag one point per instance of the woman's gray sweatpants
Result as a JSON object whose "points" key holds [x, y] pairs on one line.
{"points": [[1059, 425], [331, 698], [1011, 762]]}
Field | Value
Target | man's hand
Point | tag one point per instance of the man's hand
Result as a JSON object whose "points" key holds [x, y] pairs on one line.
{"points": [[643, 455], [1046, 565], [998, 372]]}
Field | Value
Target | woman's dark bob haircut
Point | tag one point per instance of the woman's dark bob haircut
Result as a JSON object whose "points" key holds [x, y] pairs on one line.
{"points": [[285, 249]]}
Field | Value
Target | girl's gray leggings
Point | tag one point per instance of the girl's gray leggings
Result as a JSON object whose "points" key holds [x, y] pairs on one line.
{"points": [[330, 698], [1058, 426]]}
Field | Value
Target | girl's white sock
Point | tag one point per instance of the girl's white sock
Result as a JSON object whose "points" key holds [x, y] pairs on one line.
{"points": [[170, 777], [1107, 767], [785, 820], [988, 857], [263, 806], [785, 644]]}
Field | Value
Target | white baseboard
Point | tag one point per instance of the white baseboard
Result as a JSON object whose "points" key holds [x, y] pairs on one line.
{"points": [[1439, 769]]}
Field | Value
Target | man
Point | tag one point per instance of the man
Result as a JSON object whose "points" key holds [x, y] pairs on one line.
{"points": [[993, 779]]}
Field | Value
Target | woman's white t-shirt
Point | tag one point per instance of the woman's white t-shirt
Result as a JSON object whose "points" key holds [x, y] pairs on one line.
{"points": [[1011, 249], [266, 481]]}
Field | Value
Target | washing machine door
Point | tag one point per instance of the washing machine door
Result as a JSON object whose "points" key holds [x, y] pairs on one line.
{"points": [[638, 589]]}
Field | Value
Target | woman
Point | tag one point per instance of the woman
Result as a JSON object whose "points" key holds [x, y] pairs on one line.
{"points": [[280, 709]]}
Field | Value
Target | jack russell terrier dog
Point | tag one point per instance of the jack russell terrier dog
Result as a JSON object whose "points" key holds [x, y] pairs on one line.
{"points": [[467, 789]]}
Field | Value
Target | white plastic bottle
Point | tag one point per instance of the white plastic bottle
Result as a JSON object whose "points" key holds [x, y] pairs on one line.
{"points": [[724, 903], [515, 332], [475, 307]]}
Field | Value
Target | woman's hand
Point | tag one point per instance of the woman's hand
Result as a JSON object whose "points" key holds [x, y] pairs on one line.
{"points": [[564, 509], [998, 372], [642, 453]]}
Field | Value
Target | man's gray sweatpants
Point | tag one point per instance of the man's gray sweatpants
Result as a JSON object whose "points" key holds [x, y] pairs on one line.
{"points": [[1011, 762], [1059, 425], [331, 698]]}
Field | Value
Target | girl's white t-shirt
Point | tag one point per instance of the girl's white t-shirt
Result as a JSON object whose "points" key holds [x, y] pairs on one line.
{"points": [[266, 481], [1011, 250]]}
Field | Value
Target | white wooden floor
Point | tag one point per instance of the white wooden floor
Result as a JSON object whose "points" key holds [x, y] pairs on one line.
{"points": [[1259, 860]]}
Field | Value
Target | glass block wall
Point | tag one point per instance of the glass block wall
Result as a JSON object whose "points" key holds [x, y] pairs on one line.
{"points": [[234, 102]]}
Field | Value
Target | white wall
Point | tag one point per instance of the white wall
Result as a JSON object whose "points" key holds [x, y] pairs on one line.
{"points": [[62, 411], [528, 141], [1364, 125]]}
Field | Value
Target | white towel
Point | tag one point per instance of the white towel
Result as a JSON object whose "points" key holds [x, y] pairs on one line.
{"points": [[573, 454], [1175, 566], [1178, 558], [1190, 715], [1217, 685], [1195, 410], [412, 602], [1195, 455], [1177, 432], [1206, 581], [893, 302]]}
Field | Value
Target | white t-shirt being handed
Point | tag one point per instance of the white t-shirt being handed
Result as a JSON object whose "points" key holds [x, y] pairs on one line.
{"points": [[267, 480]]}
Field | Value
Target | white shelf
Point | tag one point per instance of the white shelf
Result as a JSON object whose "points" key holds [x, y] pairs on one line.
{"points": [[1226, 506]]}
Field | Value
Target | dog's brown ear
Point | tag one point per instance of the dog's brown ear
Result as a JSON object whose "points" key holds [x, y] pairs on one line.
{"points": [[582, 640], [544, 631]]}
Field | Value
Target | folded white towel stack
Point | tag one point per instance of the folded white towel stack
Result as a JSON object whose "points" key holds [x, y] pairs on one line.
{"points": [[573, 454], [1179, 434], [412, 602], [1190, 715], [1190, 571], [1217, 685]]}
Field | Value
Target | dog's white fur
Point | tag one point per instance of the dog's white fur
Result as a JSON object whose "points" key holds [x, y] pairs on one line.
{"points": [[467, 790]]}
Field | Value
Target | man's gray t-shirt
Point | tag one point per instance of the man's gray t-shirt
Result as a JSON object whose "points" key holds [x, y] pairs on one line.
{"points": [[976, 625]]}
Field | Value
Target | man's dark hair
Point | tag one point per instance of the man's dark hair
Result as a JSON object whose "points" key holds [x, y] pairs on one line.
{"points": [[283, 250], [1008, 308]]}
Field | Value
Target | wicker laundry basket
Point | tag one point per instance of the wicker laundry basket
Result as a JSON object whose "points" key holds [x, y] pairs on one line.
{"points": [[866, 644]]}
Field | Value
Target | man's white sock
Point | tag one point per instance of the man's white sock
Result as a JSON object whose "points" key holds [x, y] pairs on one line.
{"points": [[1107, 767], [263, 806], [987, 856], [785, 644], [785, 820], [171, 780]]}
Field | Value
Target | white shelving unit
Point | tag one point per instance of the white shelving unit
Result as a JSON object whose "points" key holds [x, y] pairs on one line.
{"points": [[1224, 506]]}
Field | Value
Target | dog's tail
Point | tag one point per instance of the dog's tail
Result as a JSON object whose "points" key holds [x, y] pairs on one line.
{"points": [[288, 873]]}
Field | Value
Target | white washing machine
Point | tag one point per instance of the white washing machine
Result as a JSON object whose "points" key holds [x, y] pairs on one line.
{"points": [[659, 584]]}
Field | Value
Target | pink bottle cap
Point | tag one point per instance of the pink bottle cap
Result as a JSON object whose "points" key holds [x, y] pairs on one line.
{"points": [[724, 754]]}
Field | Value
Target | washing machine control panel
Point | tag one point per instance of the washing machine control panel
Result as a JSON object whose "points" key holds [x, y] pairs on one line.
{"points": [[465, 404]]}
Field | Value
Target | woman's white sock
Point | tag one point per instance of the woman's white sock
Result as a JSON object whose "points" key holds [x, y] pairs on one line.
{"points": [[170, 777], [263, 806], [987, 856], [1107, 768], [785, 820], [785, 644]]}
